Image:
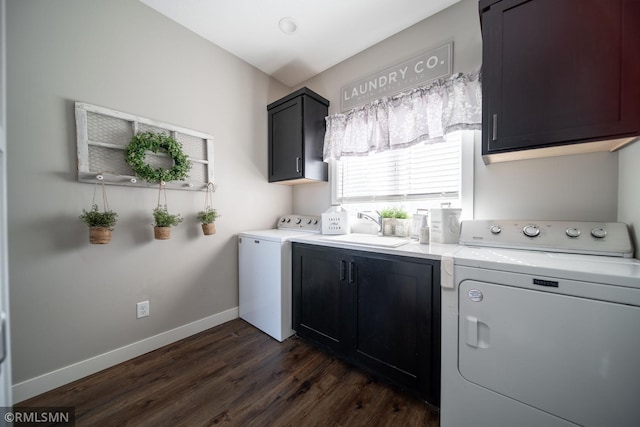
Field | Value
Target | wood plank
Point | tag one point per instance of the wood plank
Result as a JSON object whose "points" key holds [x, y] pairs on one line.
{"points": [[235, 375]]}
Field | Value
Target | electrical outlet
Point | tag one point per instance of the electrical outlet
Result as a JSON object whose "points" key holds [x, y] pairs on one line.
{"points": [[142, 308]]}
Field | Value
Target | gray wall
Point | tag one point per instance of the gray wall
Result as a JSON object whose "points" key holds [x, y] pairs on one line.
{"points": [[629, 191], [71, 300], [579, 187]]}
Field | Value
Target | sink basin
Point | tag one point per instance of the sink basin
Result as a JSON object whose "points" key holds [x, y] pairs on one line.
{"points": [[370, 240]]}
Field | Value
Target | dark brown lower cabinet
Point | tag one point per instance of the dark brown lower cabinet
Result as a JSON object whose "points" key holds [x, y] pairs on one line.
{"points": [[380, 312]]}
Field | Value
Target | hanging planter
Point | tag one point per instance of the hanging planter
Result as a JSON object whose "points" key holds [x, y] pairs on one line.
{"points": [[208, 216], [163, 220], [99, 235], [208, 229], [100, 223]]}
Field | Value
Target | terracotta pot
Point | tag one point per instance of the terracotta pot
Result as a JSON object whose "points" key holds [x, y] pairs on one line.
{"points": [[99, 235], [209, 229], [162, 233]]}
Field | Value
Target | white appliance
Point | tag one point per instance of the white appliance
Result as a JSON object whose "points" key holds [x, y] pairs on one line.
{"points": [[264, 270], [547, 334], [6, 399]]}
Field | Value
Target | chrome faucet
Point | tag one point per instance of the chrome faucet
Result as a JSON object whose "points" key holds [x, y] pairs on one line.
{"points": [[377, 220]]}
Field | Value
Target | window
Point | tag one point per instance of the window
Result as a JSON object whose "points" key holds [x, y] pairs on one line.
{"points": [[422, 176], [426, 176]]}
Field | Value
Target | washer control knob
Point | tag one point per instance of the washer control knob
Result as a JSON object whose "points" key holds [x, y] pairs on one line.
{"points": [[309, 221], [283, 219], [573, 232], [298, 220], [495, 229], [315, 221], [288, 220], [531, 230], [599, 233]]}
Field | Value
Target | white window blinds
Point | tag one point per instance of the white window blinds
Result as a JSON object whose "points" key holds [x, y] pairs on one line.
{"points": [[424, 171]]}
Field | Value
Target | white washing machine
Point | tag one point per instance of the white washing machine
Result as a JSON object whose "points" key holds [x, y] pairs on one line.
{"points": [[264, 273], [545, 334]]}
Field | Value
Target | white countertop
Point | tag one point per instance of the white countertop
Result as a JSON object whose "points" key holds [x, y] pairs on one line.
{"points": [[433, 251]]}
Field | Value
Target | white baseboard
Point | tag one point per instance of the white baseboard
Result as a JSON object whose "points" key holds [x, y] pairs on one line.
{"points": [[45, 382]]}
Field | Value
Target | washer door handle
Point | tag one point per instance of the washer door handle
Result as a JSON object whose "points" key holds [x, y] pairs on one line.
{"points": [[3, 339], [472, 331], [477, 333]]}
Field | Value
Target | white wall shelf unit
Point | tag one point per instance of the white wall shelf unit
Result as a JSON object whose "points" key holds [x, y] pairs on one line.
{"points": [[103, 134]]}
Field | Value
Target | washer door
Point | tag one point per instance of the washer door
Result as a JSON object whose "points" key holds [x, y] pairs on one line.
{"points": [[572, 357]]}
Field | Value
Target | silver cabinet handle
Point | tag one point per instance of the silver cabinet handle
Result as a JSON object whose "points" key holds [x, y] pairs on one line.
{"points": [[494, 132], [297, 164], [352, 272]]}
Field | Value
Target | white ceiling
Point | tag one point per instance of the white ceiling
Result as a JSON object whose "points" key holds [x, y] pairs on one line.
{"points": [[328, 31]]}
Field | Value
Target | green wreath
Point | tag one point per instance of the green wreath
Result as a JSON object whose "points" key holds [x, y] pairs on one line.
{"points": [[148, 141]]}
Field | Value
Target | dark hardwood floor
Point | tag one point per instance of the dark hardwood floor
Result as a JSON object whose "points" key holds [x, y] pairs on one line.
{"points": [[235, 375]]}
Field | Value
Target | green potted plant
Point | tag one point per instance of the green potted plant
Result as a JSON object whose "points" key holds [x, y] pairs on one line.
{"points": [[208, 217], [100, 224], [395, 222], [163, 221]]}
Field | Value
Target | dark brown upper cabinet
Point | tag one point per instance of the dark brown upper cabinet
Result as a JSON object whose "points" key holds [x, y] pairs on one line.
{"points": [[556, 73], [296, 138]]}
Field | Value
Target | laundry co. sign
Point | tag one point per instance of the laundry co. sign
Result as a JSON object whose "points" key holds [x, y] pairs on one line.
{"points": [[421, 69]]}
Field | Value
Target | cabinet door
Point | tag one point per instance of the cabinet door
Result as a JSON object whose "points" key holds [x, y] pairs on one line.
{"points": [[558, 72], [320, 294], [393, 315], [285, 141], [315, 113]]}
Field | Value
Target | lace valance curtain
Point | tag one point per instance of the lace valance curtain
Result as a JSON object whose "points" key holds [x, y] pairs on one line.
{"points": [[425, 114]]}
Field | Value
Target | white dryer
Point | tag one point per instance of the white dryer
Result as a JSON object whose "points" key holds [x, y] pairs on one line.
{"points": [[541, 337]]}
